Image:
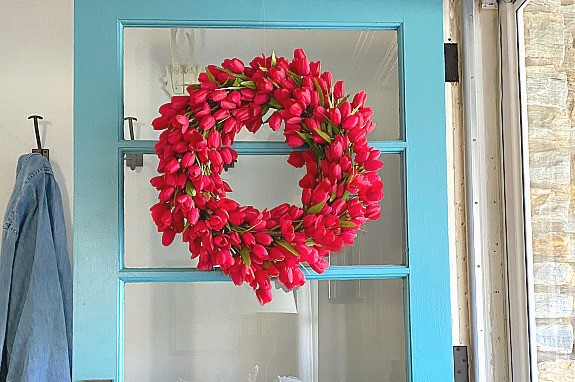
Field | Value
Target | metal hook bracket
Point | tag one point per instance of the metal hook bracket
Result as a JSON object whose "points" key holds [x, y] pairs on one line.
{"points": [[231, 165], [133, 160], [44, 152]]}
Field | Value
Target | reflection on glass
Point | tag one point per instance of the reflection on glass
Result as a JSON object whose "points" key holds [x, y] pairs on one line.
{"points": [[218, 332], [263, 181], [157, 58]]}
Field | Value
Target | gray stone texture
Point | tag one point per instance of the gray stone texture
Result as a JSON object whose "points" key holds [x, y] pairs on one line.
{"points": [[556, 338], [561, 370], [546, 87], [550, 170], [550, 88], [553, 305], [552, 273], [548, 127], [544, 48]]}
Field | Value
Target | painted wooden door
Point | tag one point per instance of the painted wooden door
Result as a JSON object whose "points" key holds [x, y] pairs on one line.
{"points": [[405, 256]]}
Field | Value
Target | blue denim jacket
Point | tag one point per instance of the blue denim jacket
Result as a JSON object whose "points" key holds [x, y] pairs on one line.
{"points": [[35, 278]]}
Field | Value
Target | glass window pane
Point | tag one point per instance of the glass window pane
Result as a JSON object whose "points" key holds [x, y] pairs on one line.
{"points": [[550, 89], [142, 243], [218, 332], [158, 60], [382, 241], [255, 182]]}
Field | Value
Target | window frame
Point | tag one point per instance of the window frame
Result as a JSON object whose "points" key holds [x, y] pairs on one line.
{"points": [[517, 210]]}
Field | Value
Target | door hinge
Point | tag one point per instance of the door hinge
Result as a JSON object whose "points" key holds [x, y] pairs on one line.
{"points": [[460, 364], [451, 62]]}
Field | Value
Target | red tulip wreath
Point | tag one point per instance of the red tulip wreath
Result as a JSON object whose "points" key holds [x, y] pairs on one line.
{"points": [[341, 188]]}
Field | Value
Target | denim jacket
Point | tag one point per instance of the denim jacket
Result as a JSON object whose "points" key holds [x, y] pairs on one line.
{"points": [[35, 278]]}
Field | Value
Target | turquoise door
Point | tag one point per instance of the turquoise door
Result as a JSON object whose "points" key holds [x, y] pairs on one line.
{"points": [[141, 312]]}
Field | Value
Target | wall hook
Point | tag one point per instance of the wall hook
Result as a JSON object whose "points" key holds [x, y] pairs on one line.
{"points": [[231, 165], [44, 152], [133, 160]]}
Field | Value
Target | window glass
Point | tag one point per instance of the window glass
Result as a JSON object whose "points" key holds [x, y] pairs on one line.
{"points": [[157, 61], [344, 331], [263, 181]]}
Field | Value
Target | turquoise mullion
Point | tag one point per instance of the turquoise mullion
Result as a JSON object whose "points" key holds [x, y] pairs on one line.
{"points": [[332, 273], [259, 148]]}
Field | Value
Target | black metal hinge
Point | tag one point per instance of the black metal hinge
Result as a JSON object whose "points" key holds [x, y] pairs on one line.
{"points": [[460, 364], [451, 62]]}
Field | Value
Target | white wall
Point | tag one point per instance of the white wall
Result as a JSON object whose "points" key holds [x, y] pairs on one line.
{"points": [[36, 77]]}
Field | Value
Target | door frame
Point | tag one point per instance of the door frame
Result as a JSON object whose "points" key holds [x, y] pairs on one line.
{"points": [[521, 291]]}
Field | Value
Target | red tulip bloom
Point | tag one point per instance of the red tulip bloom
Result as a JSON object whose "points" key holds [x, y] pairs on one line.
{"points": [[168, 237], [339, 89], [235, 65]]}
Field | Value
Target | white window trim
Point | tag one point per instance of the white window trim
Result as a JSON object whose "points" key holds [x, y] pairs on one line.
{"points": [[523, 353], [517, 336], [472, 65]]}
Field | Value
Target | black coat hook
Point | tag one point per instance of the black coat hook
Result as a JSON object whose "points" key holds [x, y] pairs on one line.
{"points": [[231, 165], [133, 160], [131, 125], [44, 152]]}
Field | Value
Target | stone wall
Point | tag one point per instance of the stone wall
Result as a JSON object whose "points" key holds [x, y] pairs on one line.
{"points": [[550, 71]]}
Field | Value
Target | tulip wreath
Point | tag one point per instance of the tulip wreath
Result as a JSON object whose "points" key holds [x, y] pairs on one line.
{"points": [[341, 187]]}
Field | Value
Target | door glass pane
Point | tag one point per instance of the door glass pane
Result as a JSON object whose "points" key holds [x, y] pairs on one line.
{"points": [[382, 241], [256, 181], [218, 332], [142, 243], [251, 178], [550, 89], [157, 61]]}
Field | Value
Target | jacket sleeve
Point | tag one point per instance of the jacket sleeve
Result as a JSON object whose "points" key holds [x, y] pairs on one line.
{"points": [[9, 239], [38, 335]]}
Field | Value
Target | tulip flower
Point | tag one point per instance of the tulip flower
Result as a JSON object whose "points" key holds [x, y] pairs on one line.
{"points": [[264, 295], [160, 122], [359, 99], [294, 140], [350, 122], [235, 65], [207, 122], [339, 89], [198, 96], [334, 116], [296, 159]]}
